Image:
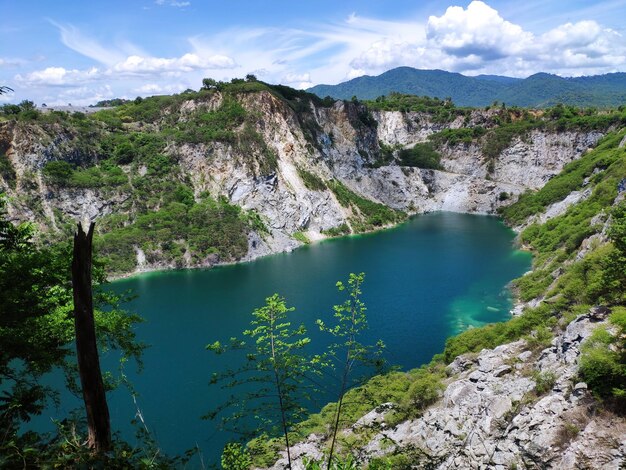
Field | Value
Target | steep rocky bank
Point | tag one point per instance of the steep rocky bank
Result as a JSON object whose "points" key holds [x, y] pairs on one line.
{"points": [[341, 142], [514, 406]]}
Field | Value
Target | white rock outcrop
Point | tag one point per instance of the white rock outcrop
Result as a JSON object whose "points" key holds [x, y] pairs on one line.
{"points": [[509, 407]]}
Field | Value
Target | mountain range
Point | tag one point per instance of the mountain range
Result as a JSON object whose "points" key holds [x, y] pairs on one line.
{"points": [[538, 90]]}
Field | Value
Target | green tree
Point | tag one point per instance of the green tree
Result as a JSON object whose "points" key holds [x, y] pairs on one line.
{"points": [[614, 266], [209, 84], [275, 364], [347, 353], [36, 331], [235, 457], [58, 172], [603, 361]]}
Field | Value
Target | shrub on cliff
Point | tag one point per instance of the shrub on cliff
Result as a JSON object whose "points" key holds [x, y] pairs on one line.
{"points": [[421, 155]]}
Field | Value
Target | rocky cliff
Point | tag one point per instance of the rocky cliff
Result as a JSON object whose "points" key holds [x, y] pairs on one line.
{"points": [[270, 172]]}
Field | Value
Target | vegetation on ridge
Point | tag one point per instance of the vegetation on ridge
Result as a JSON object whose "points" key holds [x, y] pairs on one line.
{"points": [[367, 215], [539, 90]]}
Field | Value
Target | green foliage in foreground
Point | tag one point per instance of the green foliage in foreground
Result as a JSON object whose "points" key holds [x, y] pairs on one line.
{"points": [[368, 215], [36, 333], [346, 352], [286, 378], [235, 457], [411, 392], [597, 278], [275, 366]]}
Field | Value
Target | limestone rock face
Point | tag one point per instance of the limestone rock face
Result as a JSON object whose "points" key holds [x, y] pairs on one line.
{"points": [[335, 143]]}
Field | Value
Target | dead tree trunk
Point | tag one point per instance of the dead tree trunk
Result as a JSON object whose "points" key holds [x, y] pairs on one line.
{"points": [[98, 422]]}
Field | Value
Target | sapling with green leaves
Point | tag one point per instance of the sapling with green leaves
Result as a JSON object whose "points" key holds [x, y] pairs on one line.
{"points": [[275, 364], [347, 353]]}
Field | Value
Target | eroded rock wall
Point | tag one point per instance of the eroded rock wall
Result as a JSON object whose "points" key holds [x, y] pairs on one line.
{"points": [[340, 142]]}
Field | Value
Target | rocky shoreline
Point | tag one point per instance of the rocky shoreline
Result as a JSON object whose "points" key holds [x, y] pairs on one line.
{"points": [[516, 406]]}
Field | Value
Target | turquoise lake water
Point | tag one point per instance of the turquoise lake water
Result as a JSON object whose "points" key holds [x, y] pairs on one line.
{"points": [[434, 276]]}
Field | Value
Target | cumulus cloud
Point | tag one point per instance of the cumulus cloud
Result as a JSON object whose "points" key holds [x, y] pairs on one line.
{"points": [[136, 65], [478, 30], [477, 39], [58, 77], [132, 66], [297, 80], [473, 39]]}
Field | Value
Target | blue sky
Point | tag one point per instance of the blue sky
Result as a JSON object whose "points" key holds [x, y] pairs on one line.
{"points": [[79, 52]]}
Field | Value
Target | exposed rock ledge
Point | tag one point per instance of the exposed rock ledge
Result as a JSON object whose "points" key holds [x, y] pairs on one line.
{"points": [[493, 416]]}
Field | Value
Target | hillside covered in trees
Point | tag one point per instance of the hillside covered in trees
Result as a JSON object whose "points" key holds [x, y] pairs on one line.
{"points": [[540, 90]]}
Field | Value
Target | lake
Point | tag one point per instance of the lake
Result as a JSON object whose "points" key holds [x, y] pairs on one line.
{"points": [[427, 279]]}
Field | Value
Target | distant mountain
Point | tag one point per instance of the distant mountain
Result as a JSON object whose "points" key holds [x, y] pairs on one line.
{"points": [[538, 90], [464, 91], [499, 78]]}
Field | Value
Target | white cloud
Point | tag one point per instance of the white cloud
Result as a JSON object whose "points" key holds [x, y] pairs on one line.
{"points": [[292, 77], [58, 76], [297, 80], [80, 96], [11, 62], [136, 65], [477, 40], [132, 66], [7, 97], [478, 30], [77, 41], [473, 39], [154, 88], [355, 73]]}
